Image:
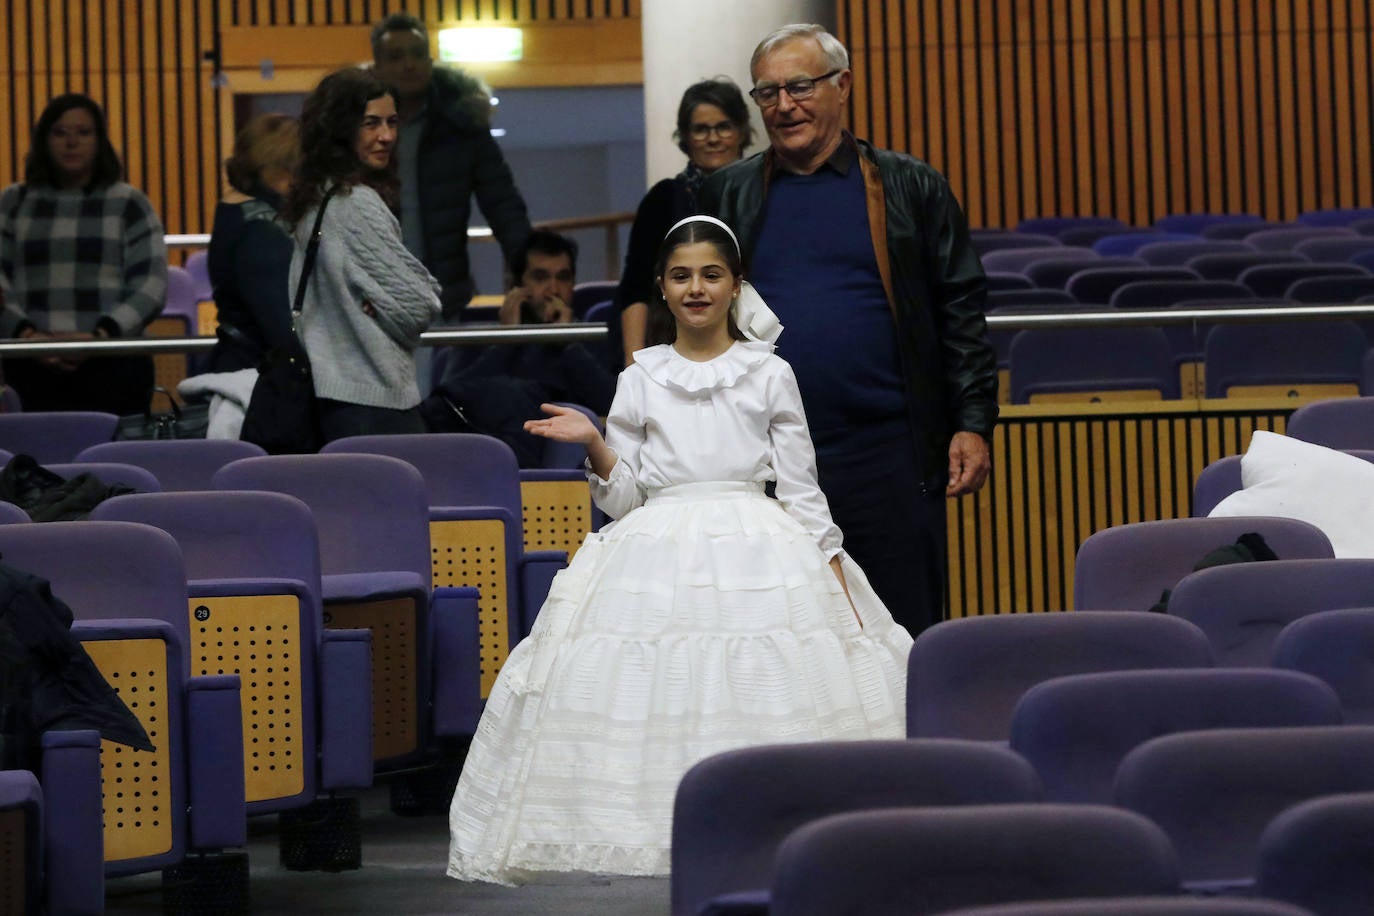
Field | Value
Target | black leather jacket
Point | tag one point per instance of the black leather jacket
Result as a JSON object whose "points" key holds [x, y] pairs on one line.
{"points": [[457, 159], [935, 286]]}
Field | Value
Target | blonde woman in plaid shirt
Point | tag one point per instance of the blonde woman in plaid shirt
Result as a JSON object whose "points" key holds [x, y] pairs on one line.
{"points": [[81, 257]]}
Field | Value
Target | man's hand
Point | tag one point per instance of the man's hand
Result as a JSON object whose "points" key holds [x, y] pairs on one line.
{"points": [[969, 463], [510, 306], [556, 311]]}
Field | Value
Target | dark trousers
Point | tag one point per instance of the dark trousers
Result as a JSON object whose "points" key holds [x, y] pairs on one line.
{"points": [[896, 534], [339, 419], [114, 384]]}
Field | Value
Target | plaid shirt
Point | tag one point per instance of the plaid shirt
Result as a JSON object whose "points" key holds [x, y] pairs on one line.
{"points": [[69, 259]]}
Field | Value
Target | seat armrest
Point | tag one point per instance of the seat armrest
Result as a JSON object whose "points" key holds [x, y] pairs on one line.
{"points": [[456, 673], [214, 756], [537, 569], [345, 696], [73, 833]]}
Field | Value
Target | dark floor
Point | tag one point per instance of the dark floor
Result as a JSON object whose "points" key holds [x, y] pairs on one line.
{"points": [[403, 873]]}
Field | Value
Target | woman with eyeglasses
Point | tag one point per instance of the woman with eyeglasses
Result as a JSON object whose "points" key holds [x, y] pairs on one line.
{"points": [[713, 130]]}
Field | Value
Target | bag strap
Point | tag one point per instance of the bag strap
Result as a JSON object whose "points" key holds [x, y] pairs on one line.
{"points": [[311, 250]]}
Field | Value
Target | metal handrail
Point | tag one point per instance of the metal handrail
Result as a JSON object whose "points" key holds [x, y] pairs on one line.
{"points": [[1226, 315], [473, 336]]}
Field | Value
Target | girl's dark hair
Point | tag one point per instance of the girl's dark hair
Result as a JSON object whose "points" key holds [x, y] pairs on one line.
{"points": [[662, 327], [39, 168], [330, 120], [721, 92]]}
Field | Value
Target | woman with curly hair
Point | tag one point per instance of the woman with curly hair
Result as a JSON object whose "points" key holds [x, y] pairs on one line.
{"points": [[367, 299], [81, 257]]}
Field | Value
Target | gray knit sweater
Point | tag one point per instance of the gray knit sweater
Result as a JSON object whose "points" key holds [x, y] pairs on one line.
{"points": [[356, 357]]}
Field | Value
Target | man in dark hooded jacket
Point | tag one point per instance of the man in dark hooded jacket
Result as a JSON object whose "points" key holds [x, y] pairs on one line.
{"points": [[446, 156]]}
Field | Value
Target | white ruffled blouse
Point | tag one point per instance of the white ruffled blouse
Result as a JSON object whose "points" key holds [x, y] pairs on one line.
{"points": [[737, 417]]}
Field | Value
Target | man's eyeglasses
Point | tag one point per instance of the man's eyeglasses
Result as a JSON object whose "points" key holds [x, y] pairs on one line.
{"points": [[766, 94], [725, 130]]}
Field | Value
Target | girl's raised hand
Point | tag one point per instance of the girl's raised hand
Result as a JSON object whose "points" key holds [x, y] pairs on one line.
{"points": [[564, 424]]}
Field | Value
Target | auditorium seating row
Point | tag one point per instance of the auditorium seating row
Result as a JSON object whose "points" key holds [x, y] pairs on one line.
{"points": [[970, 680], [350, 609]]}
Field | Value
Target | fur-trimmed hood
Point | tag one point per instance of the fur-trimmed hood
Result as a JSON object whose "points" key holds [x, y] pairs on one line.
{"points": [[460, 96]]}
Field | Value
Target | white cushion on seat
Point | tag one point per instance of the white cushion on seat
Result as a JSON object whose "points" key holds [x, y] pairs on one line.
{"points": [[1286, 477]]}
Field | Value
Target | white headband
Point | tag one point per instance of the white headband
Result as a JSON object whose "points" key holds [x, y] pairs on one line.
{"points": [[752, 314]]}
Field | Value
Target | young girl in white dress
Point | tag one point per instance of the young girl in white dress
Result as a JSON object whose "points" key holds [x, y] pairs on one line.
{"points": [[708, 617]]}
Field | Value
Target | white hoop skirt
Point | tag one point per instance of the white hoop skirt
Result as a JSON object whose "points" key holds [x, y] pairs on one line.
{"points": [[705, 620]]}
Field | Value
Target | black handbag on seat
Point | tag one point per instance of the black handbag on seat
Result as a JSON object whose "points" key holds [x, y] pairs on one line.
{"points": [[188, 421]]}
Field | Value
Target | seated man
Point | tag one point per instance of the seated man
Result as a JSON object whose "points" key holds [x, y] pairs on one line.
{"points": [[503, 380]]}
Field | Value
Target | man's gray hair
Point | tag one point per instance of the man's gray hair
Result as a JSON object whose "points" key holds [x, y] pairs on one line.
{"points": [[836, 57]]}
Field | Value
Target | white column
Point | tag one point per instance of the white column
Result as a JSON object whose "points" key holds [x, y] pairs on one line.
{"points": [[689, 41]]}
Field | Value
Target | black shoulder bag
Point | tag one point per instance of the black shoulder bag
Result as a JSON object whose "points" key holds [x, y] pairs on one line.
{"points": [[282, 414]]}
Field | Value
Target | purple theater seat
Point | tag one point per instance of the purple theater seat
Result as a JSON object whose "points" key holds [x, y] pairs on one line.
{"points": [[733, 809], [1338, 647], [1163, 294], [1242, 229], [21, 842], [1016, 260], [1074, 730], [965, 676], [986, 241], [1242, 607], [51, 436], [1335, 216], [1271, 279], [244, 551], [1096, 284], [1285, 238], [1214, 792], [1284, 354], [10, 514], [1177, 254], [126, 586], [1007, 280], [1056, 225], [1230, 265], [1337, 248], [905, 861], [1054, 273], [1131, 242], [198, 267], [1127, 567], [1346, 423], [1340, 290], [178, 464], [1196, 223], [1317, 853], [1091, 359], [372, 517]]}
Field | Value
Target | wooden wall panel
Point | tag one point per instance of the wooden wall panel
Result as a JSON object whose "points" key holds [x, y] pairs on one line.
{"points": [[1060, 475], [1128, 108], [152, 65]]}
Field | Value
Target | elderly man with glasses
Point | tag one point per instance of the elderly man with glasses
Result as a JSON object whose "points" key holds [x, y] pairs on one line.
{"points": [[865, 256]]}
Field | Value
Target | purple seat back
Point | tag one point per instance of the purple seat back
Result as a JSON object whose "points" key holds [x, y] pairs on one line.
{"points": [[1075, 730], [1339, 290], [51, 436], [198, 266], [986, 241], [1335, 216], [1286, 238], [1096, 284], [1338, 647], [1215, 791], [1338, 248], [965, 676], [1241, 229], [1317, 854], [1054, 273], [1127, 567], [1178, 905], [1272, 279], [458, 469], [106, 570], [1337, 423], [1132, 242], [1196, 223], [182, 295], [1177, 254], [1288, 353], [1162, 294], [1016, 260], [901, 861], [10, 514], [1055, 225], [1242, 607], [178, 464], [732, 810], [1230, 265], [370, 510], [1054, 360]]}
